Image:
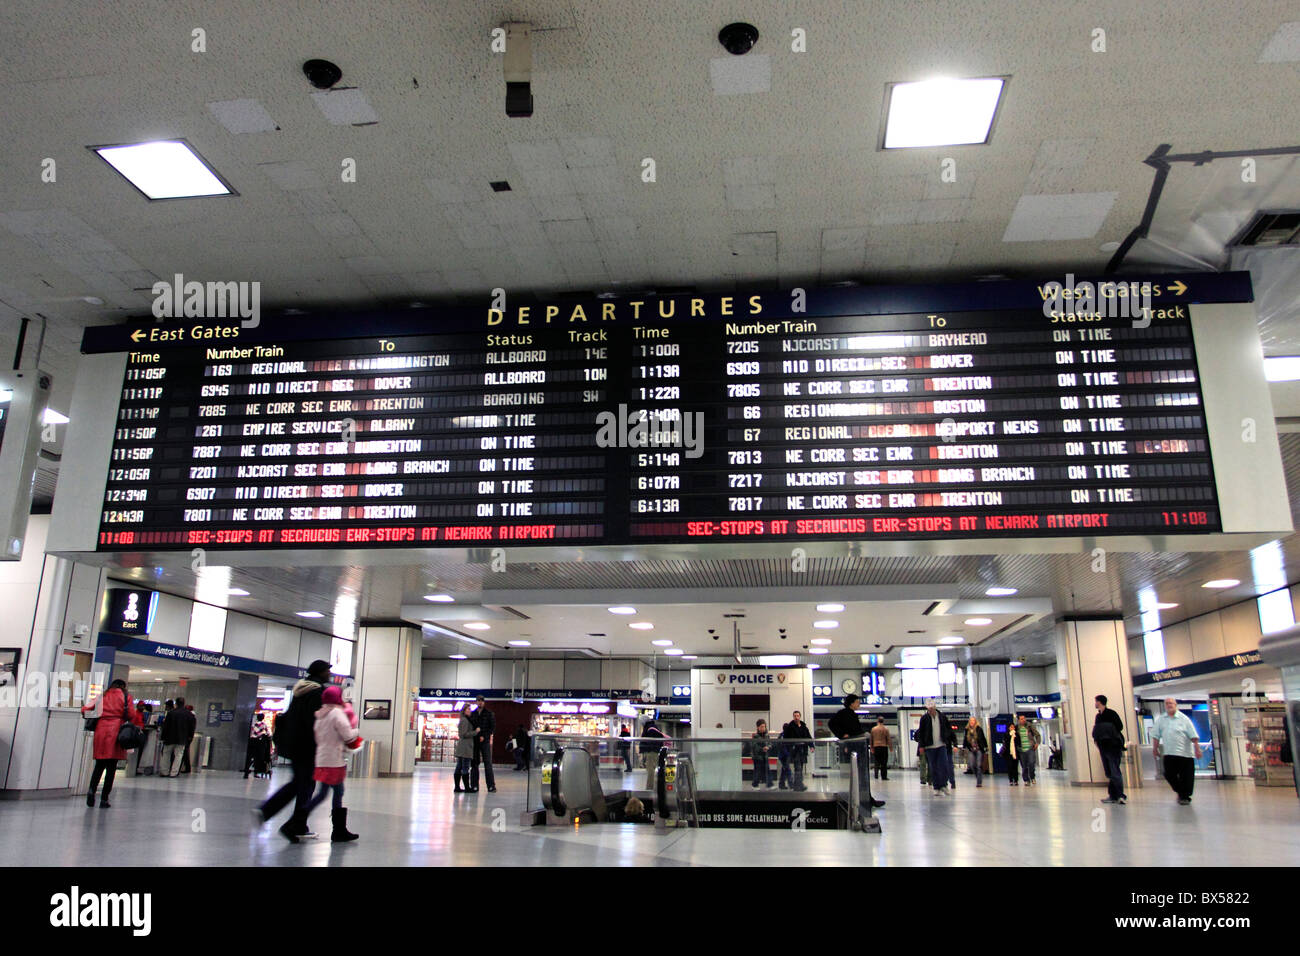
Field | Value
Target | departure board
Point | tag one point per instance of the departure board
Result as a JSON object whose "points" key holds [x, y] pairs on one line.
{"points": [[655, 428]]}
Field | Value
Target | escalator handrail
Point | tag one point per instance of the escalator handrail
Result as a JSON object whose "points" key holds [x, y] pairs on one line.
{"points": [[557, 802]]}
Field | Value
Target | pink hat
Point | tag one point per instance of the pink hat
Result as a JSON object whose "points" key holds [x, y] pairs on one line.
{"points": [[333, 695]]}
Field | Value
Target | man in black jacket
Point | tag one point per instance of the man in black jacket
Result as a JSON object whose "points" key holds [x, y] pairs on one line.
{"points": [[794, 753], [176, 733], [937, 738], [1108, 734], [846, 726], [295, 738], [485, 724]]}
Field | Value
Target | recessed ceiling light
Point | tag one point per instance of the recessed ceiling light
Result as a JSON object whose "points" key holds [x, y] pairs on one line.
{"points": [[439, 598], [641, 626], [813, 667], [818, 650], [622, 609], [979, 621], [520, 643], [145, 670], [237, 592], [776, 660], [169, 169], [941, 112], [159, 679], [830, 608], [690, 657], [821, 640], [1001, 592], [826, 624], [1017, 663], [1282, 368], [675, 652], [662, 643], [309, 613], [478, 626], [458, 657], [954, 639], [1221, 583]]}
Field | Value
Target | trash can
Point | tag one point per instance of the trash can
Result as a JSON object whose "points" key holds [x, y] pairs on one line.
{"points": [[362, 762]]}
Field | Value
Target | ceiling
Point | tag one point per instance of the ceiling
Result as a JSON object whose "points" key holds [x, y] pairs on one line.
{"points": [[763, 189]]}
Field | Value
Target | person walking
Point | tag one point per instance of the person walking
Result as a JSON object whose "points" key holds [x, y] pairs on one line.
{"points": [[936, 737], [520, 750], [760, 749], [177, 732], [976, 745], [465, 732], [1108, 735], [846, 726], [335, 731], [1174, 738], [485, 722], [625, 747], [295, 739], [650, 747], [1027, 741], [880, 749], [114, 709], [258, 754], [1011, 754], [794, 752]]}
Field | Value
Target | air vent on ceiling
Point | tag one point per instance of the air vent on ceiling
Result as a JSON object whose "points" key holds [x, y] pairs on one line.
{"points": [[596, 635], [916, 632], [500, 186], [1277, 228]]}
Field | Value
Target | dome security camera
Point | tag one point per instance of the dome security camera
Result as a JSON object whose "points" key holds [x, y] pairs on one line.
{"points": [[738, 38], [322, 74]]}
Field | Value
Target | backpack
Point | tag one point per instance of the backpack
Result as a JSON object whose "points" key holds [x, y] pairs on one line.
{"points": [[282, 736]]}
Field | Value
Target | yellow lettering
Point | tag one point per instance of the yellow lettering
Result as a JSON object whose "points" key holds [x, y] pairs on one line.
{"points": [[523, 314], [607, 312], [725, 305], [578, 314], [636, 309], [755, 305], [697, 308], [495, 316], [551, 312]]}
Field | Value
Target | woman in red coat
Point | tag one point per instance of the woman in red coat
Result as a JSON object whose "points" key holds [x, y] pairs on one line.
{"points": [[116, 708]]}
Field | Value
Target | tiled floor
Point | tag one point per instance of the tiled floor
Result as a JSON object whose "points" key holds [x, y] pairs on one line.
{"points": [[205, 821]]}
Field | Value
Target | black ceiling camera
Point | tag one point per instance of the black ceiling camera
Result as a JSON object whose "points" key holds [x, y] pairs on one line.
{"points": [[738, 38], [715, 636], [322, 74], [782, 630]]}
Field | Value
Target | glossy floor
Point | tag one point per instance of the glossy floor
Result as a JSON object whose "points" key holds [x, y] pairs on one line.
{"points": [[205, 820]]}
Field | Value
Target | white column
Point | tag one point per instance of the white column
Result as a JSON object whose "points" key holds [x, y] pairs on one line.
{"points": [[1092, 659], [387, 667]]}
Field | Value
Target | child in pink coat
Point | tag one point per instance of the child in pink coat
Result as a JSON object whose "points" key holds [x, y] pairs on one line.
{"points": [[336, 733]]}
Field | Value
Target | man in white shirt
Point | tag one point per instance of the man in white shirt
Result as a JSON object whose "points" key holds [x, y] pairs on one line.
{"points": [[1174, 736]]}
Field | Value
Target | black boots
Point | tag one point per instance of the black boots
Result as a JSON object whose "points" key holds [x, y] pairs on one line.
{"points": [[340, 820], [90, 799], [456, 776]]}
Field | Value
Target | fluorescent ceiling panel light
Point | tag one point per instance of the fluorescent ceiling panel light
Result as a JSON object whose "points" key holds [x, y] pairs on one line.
{"points": [[941, 112], [145, 670], [622, 609], [478, 626], [309, 613], [641, 626], [1001, 592], [813, 667], [830, 608], [458, 657], [1017, 664], [821, 640], [168, 169], [520, 643], [51, 417], [1165, 605], [690, 657], [662, 643], [826, 624], [954, 639], [1276, 612], [674, 652], [776, 660], [237, 592], [439, 598], [1282, 368], [979, 621], [1219, 583], [818, 650]]}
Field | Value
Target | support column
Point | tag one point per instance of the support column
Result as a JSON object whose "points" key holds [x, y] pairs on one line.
{"points": [[990, 690], [387, 667], [1092, 659]]}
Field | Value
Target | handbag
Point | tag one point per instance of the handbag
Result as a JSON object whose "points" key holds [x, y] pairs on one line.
{"points": [[129, 736], [91, 723]]}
